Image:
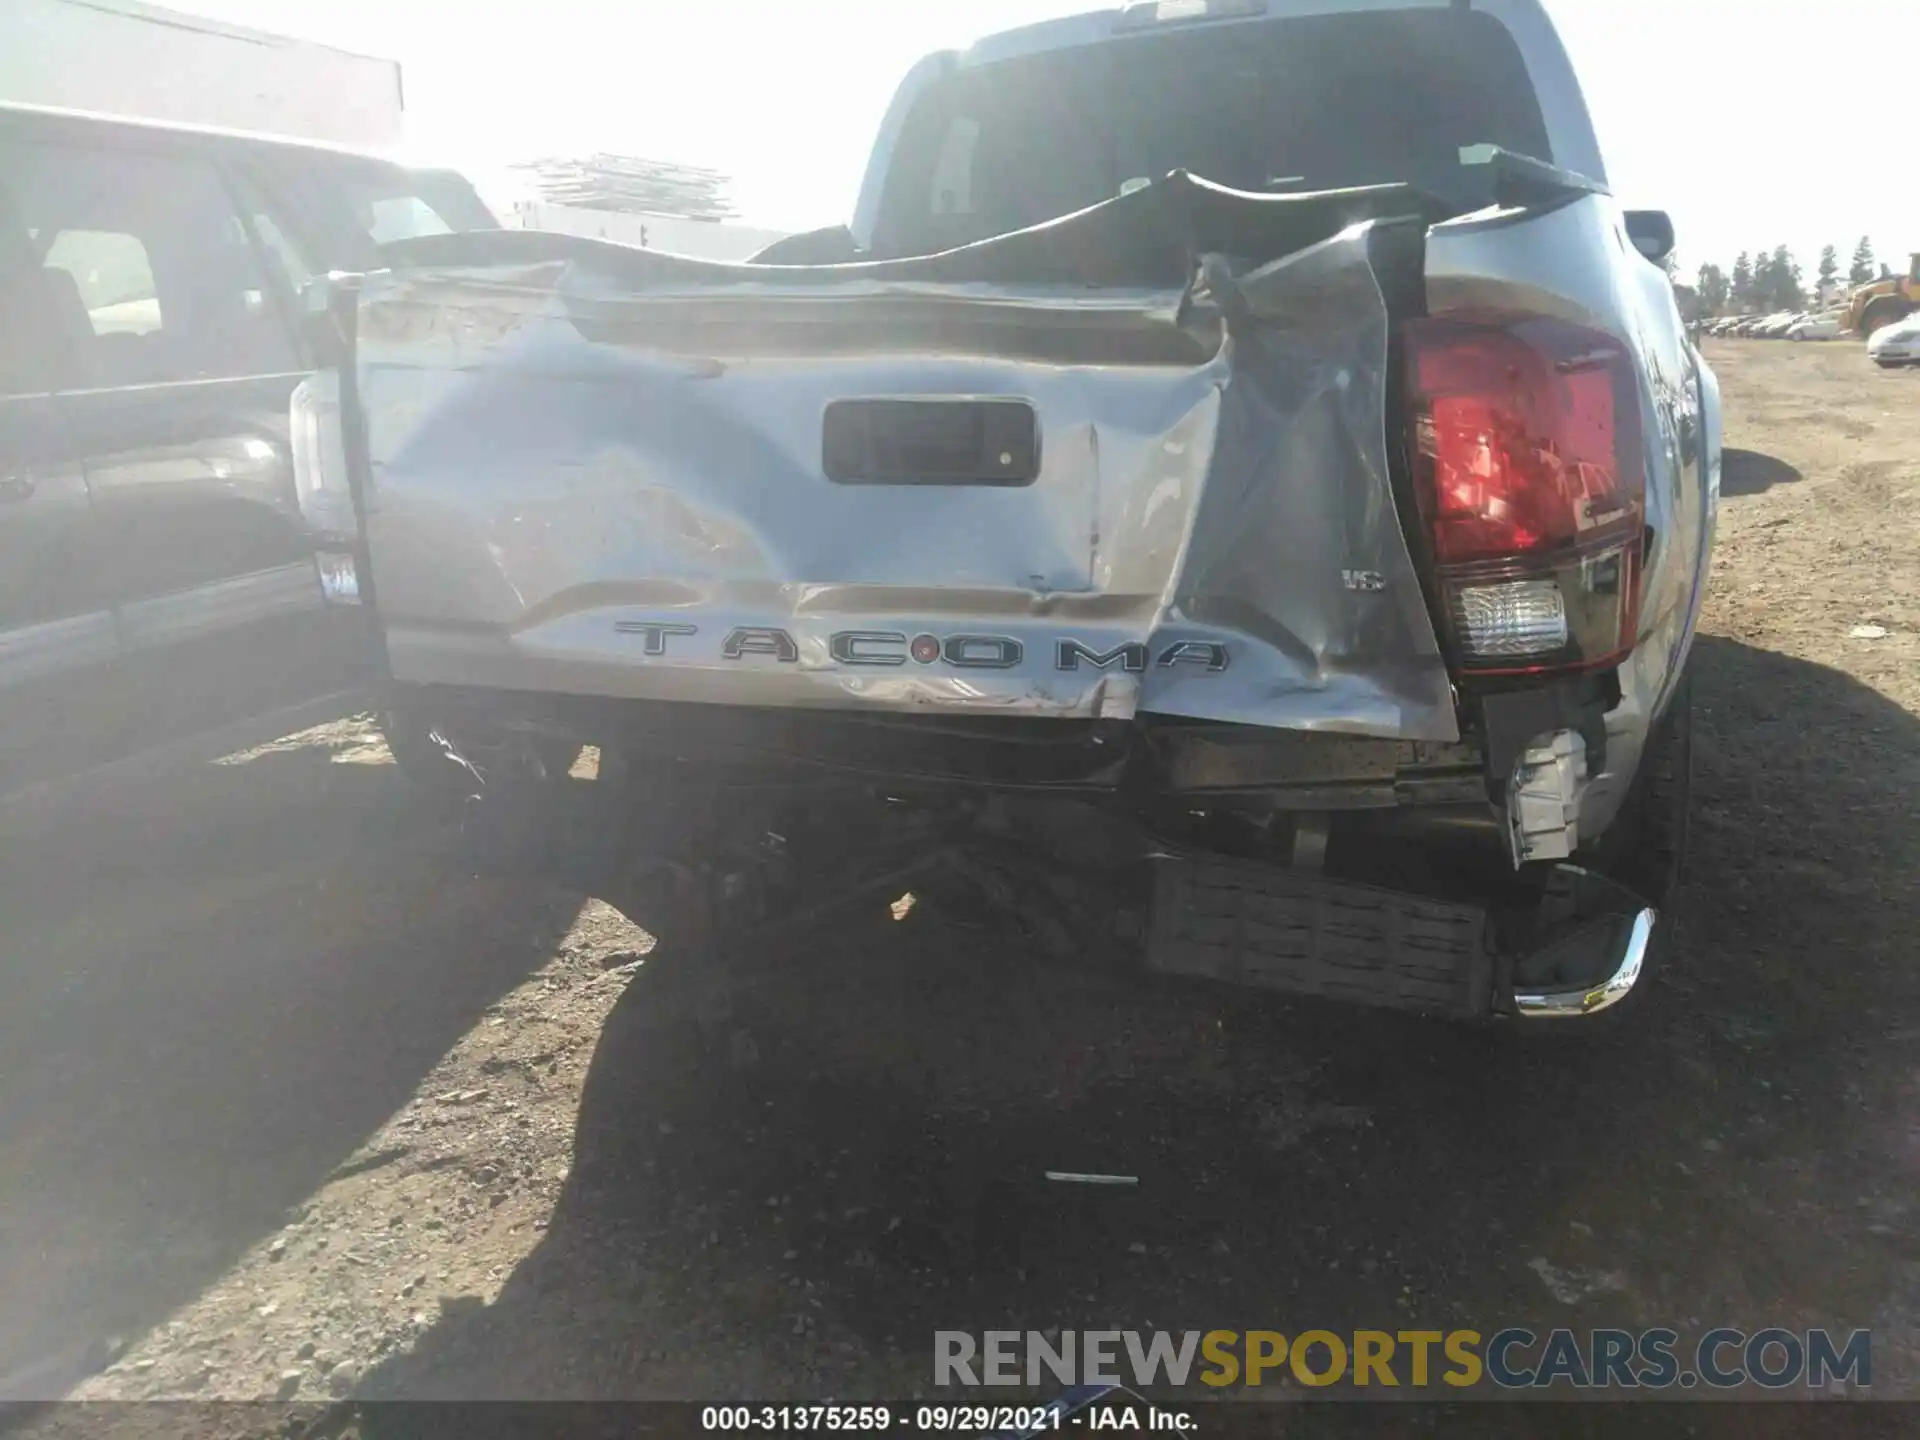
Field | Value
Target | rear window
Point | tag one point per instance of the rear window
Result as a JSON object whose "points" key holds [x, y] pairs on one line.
{"points": [[1309, 103]]}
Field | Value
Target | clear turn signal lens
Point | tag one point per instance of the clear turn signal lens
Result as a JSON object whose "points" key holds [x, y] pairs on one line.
{"points": [[1519, 618]]}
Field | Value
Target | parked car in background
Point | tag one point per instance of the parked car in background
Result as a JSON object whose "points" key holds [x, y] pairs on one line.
{"points": [[1777, 328], [1896, 344], [1815, 327], [155, 574]]}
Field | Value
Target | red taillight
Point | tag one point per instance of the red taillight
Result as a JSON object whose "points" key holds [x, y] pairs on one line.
{"points": [[1529, 474]]}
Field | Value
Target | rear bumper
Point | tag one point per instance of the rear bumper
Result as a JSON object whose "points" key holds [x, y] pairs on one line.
{"points": [[1375, 889], [1146, 756], [1625, 961], [1538, 778]]}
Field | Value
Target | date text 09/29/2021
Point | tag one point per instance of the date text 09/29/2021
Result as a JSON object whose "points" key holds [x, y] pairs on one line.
{"points": [[958, 1419]]}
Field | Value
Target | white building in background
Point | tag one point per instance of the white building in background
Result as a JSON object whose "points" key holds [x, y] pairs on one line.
{"points": [[124, 57], [705, 239]]}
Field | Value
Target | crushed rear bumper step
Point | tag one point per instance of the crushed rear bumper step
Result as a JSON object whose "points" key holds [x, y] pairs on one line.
{"points": [[1282, 930]]}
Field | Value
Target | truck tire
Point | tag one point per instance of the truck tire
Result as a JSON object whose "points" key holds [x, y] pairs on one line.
{"points": [[1881, 313], [1646, 848]]}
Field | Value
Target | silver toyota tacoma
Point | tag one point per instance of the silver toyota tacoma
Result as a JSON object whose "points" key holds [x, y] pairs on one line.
{"points": [[1239, 481]]}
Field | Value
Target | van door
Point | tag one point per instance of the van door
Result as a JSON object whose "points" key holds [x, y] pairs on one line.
{"points": [[186, 363], [57, 642]]}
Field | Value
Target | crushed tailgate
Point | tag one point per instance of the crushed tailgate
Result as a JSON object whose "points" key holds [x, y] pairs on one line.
{"points": [[1131, 462]]}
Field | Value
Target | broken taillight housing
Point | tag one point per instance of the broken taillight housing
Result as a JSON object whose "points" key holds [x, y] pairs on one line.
{"points": [[1530, 478]]}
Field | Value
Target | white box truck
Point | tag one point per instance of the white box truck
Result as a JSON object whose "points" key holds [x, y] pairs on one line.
{"points": [[123, 57]]}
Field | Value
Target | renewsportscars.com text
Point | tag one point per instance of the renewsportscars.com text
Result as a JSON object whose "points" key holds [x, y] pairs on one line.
{"points": [[1513, 1358]]}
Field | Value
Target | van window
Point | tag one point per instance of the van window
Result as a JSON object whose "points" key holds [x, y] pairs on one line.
{"points": [[111, 271], [340, 209], [292, 262], [140, 266], [401, 217], [1301, 103], [405, 204]]}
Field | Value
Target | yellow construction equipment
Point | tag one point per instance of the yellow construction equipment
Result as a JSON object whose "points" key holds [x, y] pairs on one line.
{"points": [[1881, 302]]}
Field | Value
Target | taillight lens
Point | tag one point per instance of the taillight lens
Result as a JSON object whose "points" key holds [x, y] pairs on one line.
{"points": [[1530, 478], [320, 484]]}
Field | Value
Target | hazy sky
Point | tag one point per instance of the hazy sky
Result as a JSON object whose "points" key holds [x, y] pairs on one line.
{"points": [[1753, 123]]}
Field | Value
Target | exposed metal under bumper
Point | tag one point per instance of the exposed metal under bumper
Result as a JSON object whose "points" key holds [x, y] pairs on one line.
{"points": [[1274, 929], [1636, 934]]}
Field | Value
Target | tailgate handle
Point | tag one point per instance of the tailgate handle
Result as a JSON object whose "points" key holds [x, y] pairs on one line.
{"points": [[931, 442]]}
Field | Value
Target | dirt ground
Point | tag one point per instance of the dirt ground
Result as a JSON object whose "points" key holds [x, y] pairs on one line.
{"points": [[292, 1105]]}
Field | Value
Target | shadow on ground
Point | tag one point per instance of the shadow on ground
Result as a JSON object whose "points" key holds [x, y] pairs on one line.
{"points": [[182, 1059], [792, 1167], [1748, 472]]}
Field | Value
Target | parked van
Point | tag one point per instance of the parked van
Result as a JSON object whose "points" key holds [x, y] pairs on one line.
{"points": [[155, 575]]}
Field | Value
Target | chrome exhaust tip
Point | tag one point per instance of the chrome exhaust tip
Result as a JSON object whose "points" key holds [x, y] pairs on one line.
{"points": [[1635, 933]]}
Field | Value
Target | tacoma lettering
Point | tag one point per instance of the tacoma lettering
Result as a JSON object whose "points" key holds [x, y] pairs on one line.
{"points": [[654, 637], [1132, 658], [893, 648], [746, 641]]}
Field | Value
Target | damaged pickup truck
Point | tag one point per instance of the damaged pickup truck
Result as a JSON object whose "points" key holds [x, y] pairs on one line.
{"points": [[1239, 481]]}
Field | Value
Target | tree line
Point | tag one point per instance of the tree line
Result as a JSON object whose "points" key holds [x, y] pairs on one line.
{"points": [[1768, 280]]}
